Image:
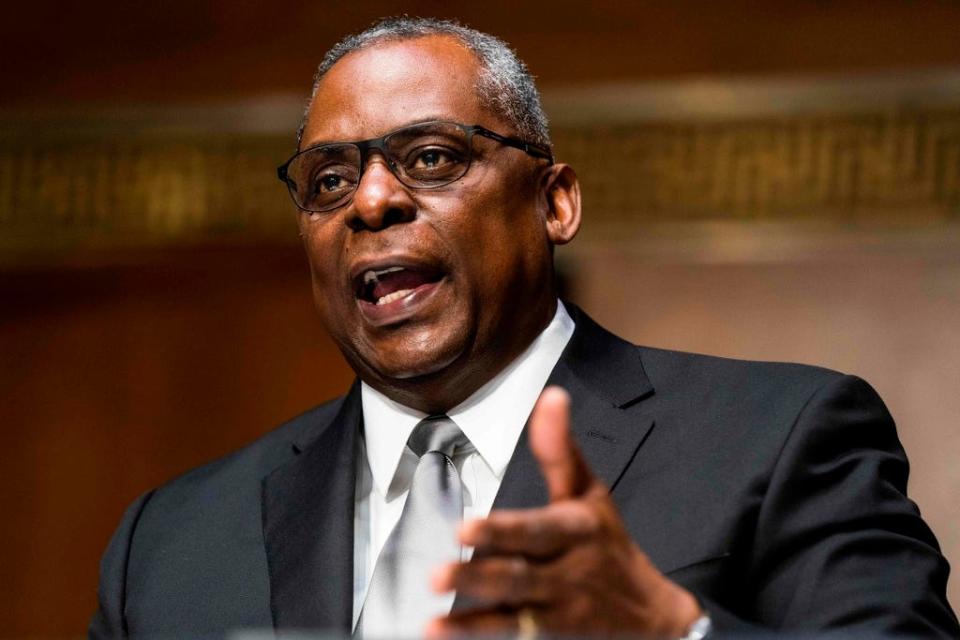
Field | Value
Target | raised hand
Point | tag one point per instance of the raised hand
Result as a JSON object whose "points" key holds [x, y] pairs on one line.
{"points": [[570, 566]]}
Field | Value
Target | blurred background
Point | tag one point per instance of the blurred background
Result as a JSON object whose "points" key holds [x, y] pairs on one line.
{"points": [[776, 180]]}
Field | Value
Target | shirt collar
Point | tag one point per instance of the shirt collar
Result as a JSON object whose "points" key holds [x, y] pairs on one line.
{"points": [[492, 417]]}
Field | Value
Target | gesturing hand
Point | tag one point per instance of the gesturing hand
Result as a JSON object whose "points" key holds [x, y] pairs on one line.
{"points": [[571, 564]]}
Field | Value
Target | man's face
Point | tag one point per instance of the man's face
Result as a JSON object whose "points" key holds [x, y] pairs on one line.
{"points": [[427, 292]]}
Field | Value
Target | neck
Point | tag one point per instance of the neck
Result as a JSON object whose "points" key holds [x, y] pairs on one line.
{"points": [[441, 391]]}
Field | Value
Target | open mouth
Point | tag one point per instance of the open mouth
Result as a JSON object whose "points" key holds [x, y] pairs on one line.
{"points": [[390, 284]]}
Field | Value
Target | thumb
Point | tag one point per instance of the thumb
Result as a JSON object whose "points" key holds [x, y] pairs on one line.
{"points": [[563, 467]]}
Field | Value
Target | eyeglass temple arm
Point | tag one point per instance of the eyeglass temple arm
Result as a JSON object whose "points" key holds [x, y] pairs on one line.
{"points": [[534, 150]]}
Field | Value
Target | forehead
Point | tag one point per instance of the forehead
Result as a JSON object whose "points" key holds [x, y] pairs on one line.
{"points": [[375, 90]]}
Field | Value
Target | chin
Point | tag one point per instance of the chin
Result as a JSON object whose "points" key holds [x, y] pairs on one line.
{"points": [[414, 357]]}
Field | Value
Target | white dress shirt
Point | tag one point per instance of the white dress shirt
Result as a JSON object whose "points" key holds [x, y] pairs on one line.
{"points": [[492, 418]]}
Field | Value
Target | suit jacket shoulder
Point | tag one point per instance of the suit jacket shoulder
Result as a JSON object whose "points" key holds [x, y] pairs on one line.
{"points": [[190, 555], [255, 460], [776, 492]]}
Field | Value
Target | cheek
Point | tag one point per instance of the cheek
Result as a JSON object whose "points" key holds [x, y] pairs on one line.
{"points": [[507, 222], [503, 253], [499, 204], [324, 255]]}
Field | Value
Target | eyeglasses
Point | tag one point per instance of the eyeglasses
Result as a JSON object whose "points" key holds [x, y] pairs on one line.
{"points": [[427, 155]]}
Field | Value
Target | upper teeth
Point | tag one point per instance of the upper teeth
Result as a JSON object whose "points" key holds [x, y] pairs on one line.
{"points": [[374, 276]]}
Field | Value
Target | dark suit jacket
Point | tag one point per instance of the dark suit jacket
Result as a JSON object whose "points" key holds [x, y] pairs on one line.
{"points": [[776, 493]]}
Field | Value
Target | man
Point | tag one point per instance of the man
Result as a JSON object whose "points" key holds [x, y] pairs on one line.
{"points": [[661, 493]]}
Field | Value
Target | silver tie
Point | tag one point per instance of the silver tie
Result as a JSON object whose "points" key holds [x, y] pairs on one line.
{"points": [[400, 601]]}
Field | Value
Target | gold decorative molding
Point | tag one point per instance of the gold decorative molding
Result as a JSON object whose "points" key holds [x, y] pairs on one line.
{"points": [[142, 189], [832, 150], [902, 166]]}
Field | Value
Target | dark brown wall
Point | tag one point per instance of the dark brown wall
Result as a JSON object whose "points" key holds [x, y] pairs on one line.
{"points": [[116, 378], [214, 49]]}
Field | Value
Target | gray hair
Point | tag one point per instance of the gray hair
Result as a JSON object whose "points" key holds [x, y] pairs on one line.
{"points": [[505, 85]]}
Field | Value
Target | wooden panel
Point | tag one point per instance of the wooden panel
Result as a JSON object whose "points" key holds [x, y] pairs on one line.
{"points": [[188, 49], [116, 379]]}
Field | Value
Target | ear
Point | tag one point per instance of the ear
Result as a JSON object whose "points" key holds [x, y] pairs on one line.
{"points": [[561, 191]]}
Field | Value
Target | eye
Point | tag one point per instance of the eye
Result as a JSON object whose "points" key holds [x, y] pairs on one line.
{"points": [[433, 158], [329, 182], [332, 180], [434, 164]]}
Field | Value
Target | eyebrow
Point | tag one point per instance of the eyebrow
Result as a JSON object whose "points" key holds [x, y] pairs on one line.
{"points": [[423, 120]]}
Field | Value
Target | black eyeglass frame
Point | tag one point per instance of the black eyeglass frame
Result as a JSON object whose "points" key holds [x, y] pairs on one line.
{"points": [[379, 144]]}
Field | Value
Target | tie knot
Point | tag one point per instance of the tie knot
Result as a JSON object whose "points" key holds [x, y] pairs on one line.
{"points": [[436, 433]]}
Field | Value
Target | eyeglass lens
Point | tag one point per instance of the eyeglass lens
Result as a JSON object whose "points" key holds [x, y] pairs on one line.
{"points": [[422, 156]]}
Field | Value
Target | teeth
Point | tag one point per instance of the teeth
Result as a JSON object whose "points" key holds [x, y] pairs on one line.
{"points": [[396, 295], [373, 276]]}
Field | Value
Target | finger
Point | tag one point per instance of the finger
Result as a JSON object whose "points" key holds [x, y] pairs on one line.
{"points": [[510, 581], [475, 621], [536, 533], [563, 467]]}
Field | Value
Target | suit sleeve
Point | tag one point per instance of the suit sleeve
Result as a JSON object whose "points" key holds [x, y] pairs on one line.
{"points": [[838, 544], [109, 620]]}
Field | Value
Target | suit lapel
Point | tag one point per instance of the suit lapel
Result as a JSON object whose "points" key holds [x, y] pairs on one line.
{"points": [[308, 504], [606, 381], [308, 526]]}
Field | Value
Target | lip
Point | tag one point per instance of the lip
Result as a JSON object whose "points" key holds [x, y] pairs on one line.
{"points": [[378, 263], [381, 315], [407, 306]]}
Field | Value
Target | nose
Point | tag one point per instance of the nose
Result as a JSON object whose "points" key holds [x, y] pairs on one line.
{"points": [[380, 199]]}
